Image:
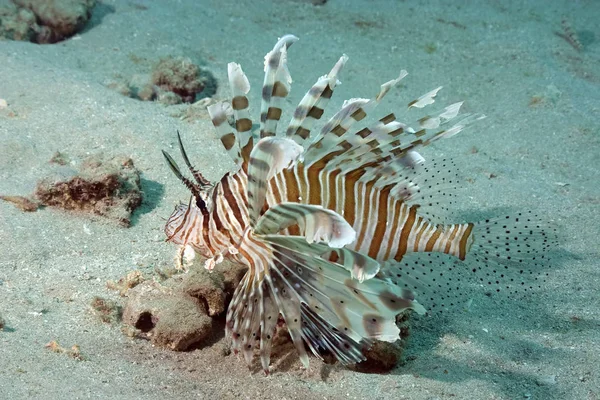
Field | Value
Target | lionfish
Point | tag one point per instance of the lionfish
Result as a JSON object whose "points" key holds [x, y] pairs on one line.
{"points": [[329, 224]]}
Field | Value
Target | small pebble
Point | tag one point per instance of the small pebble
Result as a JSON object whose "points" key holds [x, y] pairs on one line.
{"points": [[547, 380]]}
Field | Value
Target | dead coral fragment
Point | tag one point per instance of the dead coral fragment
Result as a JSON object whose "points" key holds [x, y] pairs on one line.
{"points": [[110, 188], [22, 203]]}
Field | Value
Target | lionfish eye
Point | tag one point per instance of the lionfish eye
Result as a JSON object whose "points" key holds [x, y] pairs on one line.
{"points": [[201, 204]]}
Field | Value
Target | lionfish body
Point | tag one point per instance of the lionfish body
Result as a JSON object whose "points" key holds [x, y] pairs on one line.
{"points": [[327, 223]]}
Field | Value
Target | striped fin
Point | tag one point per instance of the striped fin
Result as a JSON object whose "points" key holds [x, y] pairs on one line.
{"points": [[268, 158], [254, 309], [240, 86], [276, 86], [317, 224], [385, 161], [311, 107], [336, 136], [388, 139], [225, 132]]}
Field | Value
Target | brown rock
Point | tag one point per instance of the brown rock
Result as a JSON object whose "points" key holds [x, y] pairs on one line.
{"points": [[206, 287], [381, 357]]}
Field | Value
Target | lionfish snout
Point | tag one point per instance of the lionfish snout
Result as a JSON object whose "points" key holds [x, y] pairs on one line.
{"points": [[175, 221], [178, 229]]}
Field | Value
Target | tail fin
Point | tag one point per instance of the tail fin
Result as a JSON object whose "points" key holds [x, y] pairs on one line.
{"points": [[508, 255], [513, 252]]}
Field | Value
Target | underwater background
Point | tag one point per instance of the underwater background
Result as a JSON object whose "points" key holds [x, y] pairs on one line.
{"points": [[87, 96]]}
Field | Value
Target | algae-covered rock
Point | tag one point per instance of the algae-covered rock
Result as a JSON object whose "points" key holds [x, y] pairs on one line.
{"points": [[172, 80], [19, 24], [62, 18], [106, 187], [180, 76]]}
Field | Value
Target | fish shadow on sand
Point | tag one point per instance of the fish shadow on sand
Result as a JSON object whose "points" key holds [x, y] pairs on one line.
{"points": [[153, 193], [99, 11], [496, 338]]}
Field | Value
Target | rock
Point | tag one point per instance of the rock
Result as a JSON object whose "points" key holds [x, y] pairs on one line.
{"points": [[61, 18], [167, 317], [18, 24], [547, 380], [206, 287], [381, 357]]}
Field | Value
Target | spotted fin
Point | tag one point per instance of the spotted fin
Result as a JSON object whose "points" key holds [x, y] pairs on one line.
{"points": [[361, 310], [320, 302], [509, 256]]}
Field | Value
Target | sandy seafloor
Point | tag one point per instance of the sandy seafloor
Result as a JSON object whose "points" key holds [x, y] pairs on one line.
{"points": [[496, 55]]}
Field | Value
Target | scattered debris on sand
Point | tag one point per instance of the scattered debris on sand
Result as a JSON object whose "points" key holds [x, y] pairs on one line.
{"points": [[127, 282], [22, 203], [74, 352], [106, 310]]}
